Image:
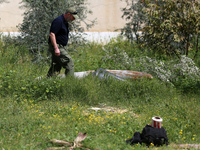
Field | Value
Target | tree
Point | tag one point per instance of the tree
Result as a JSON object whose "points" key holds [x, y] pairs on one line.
{"points": [[173, 26], [135, 17], [38, 16], [168, 27]]}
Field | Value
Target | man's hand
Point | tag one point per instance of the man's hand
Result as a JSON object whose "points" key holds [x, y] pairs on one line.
{"points": [[57, 52]]}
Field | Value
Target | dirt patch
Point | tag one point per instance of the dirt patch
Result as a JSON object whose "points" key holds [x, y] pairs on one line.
{"points": [[113, 110], [186, 146]]}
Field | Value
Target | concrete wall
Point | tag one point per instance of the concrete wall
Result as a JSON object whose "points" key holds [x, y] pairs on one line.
{"points": [[10, 16], [107, 12]]}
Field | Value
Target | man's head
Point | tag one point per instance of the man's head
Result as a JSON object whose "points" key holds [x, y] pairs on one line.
{"points": [[70, 14]]}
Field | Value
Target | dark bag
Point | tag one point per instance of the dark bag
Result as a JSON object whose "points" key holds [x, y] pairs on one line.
{"points": [[135, 139], [157, 136]]}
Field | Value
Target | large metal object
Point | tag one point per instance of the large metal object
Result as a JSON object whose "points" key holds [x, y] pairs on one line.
{"points": [[106, 73], [121, 74], [130, 74]]}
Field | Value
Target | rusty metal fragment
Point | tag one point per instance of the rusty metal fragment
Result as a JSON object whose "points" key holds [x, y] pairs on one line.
{"points": [[130, 74], [121, 74], [79, 138], [106, 73], [60, 142]]}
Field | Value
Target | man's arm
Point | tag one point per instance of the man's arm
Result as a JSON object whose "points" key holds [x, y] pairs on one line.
{"points": [[53, 42]]}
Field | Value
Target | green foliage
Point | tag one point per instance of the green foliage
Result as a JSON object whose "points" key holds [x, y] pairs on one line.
{"points": [[38, 17], [135, 17], [120, 54], [88, 57], [173, 26], [169, 27], [183, 73], [106, 129], [116, 55], [40, 110]]}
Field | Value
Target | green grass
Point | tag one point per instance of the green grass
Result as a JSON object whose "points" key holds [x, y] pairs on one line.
{"points": [[36, 111], [29, 125]]}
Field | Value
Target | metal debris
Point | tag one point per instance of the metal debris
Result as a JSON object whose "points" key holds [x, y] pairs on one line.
{"points": [[121, 74], [60, 142], [128, 74], [106, 74], [79, 138]]}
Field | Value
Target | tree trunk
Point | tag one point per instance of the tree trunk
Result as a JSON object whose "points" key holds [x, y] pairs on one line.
{"points": [[187, 45], [197, 45]]}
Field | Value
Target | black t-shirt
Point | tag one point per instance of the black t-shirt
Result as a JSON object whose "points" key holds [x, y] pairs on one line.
{"points": [[61, 30]]}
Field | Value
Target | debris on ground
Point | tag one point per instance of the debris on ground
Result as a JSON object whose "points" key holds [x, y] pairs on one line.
{"points": [[106, 73], [121, 74], [71, 145], [110, 109], [113, 110], [128, 74], [116, 74], [60, 142], [186, 146], [79, 138]]}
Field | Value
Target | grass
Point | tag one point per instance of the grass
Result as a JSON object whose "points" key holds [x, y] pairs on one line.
{"points": [[36, 111], [29, 125]]}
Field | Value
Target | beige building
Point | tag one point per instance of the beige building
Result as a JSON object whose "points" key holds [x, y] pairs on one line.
{"points": [[10, 16], [107, 12]]}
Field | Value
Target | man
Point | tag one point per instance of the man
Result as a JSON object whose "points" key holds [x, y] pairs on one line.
{"points": [[58, 40]]}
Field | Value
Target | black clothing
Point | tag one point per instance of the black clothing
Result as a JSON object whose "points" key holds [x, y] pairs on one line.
{"points": [[150, 135], [61, 30], [157, 136]]}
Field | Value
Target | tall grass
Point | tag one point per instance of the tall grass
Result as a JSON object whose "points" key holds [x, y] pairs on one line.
{"points": [[34, 111]]}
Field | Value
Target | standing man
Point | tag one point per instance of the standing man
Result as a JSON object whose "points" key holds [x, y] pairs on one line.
{"points": [[58, 39]]}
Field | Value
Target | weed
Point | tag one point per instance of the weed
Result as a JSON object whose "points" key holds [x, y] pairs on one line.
{"points": [[35, 111]]}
